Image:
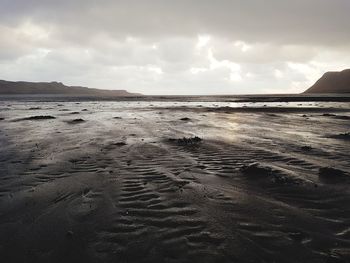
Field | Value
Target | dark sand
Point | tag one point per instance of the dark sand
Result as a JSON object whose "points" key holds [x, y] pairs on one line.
{"points": [[265, 183]]}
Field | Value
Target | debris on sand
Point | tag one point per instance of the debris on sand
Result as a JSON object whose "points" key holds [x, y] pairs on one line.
{"points": [[39, 117], [186, 141], [84, 110], [76, 121], [74, 112], [117, 118], [185, 119], [342, 136], [331, 174], [69, 234], [306, 148], [113, 145]]}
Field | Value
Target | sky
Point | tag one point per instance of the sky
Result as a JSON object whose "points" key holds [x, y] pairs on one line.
{"points": [[175, 47]]}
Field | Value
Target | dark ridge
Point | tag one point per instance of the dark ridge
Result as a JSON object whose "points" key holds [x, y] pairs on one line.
{"points": [[56, 88], [34, 108], [76, 121], [39, 117], [120, 143], [329, 174], [340, 117], [342, 136]]}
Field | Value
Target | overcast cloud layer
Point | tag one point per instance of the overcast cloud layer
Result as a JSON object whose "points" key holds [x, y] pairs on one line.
{"points": [[175, 47]]}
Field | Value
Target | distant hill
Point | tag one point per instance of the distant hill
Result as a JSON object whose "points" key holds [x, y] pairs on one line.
{"points": [[332, 82], [55, 88]]}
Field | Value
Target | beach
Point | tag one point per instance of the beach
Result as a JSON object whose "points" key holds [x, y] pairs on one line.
{"points": [[174, 181]]}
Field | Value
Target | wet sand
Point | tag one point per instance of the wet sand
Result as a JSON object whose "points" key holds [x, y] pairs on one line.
{"points": [[116, 182]]}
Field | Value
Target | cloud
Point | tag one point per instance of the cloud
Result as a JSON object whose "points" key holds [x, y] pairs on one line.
{"points": [[174, 47], [292, 22]]}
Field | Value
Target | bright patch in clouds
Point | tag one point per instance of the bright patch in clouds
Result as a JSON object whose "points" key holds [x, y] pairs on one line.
{"points": [[242, 46], [202, 41]]}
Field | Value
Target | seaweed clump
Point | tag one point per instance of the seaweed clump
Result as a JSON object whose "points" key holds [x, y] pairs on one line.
{"points": [[256, 170], [186, 141]]}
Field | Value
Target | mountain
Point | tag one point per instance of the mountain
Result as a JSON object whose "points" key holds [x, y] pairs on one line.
{"points": [[55, 88], [332, 82]]}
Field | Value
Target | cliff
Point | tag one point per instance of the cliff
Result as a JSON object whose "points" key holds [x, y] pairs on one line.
{"points": [[332, 82]]}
